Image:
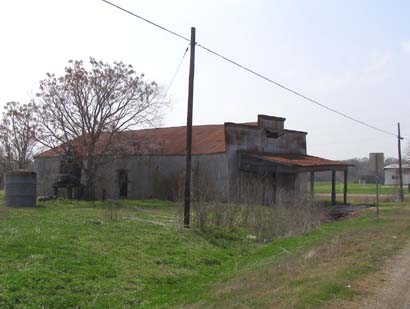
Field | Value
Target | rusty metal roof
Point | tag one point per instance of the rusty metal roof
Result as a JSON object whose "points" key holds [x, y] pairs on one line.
{"points": [[298, 160], [206, 139]]}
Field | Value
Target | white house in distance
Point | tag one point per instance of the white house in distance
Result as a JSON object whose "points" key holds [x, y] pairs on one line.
{"points": [[391, 174]]}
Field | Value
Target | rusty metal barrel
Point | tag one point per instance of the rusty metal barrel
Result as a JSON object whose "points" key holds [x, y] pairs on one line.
{"points": [[20, 188]]}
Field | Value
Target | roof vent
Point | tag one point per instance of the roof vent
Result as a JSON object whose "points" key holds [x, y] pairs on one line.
{"points": [[273, 133]]}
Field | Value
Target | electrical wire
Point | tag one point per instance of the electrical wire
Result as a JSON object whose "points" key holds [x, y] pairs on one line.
{"points": [[176, 72], [294, 91], [163, 97], [146, 20], [297, 93]]}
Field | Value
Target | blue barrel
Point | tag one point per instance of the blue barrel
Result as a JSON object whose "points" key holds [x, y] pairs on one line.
{"points": [[20, 188]]}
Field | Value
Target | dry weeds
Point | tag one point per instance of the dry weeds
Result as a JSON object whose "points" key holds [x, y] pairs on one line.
{"points": [[334, 274]]}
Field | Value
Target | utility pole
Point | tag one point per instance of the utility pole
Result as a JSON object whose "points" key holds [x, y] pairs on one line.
{"points": [[187, 197], [399, 138], [377, 185]]}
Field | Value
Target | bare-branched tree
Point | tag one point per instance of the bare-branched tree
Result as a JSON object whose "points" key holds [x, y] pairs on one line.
{"points": [[83, 110], [17, 135]]}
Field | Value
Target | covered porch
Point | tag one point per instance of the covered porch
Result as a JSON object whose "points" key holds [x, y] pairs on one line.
{"points": [[294, 164]]}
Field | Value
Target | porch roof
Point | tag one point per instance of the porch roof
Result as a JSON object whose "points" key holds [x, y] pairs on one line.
{"points": [[292, 163]]}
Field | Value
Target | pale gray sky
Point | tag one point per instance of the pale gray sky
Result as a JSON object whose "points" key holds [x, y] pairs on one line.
{"points": [[351, 55]]}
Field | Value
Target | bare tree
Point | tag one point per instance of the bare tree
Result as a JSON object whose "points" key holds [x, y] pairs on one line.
{"points": [[84, 109], [17, 135]]}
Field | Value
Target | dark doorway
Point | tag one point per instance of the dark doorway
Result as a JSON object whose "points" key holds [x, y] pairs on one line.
{"points": [[123, 183], [268, 186]]}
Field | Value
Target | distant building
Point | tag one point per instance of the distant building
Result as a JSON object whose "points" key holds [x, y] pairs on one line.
{"points": [[391, 174], [368, 179], [247, 161]]}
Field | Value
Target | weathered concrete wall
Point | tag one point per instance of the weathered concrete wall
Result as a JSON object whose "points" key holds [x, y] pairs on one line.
{"points": [[256, 139], [161, 176], [267, 189], [301, 182], [47, 170], [148, 176], [271, 122], [253, 188]]}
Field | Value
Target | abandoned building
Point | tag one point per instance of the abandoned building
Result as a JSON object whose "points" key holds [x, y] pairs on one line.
{"points": [[259, 162]]}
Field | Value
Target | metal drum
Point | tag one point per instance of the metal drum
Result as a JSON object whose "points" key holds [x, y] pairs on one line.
{"points": [[20, 188]]}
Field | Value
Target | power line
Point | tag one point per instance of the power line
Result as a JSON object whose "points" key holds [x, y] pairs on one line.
{"points": [[146, 20], [176, 72], [169, 85], [297, 93]]}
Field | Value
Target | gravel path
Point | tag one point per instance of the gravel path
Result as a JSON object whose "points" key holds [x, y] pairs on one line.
{"points": [[395, 292]]}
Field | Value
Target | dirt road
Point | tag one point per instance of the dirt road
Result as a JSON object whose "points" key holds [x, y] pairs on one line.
{"points": [[395, 292]]}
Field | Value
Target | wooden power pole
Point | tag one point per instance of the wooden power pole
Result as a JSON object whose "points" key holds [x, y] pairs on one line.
{"points": [[187, 197], [377, 185], [399, 138]]}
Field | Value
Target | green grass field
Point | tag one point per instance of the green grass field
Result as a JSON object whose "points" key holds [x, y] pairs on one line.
{"points": [[355, 188], [72, 254]]}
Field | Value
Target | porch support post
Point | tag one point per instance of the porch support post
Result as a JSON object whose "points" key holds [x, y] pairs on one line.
{"points": [[333, 187], [345, 186], [312, 185]]}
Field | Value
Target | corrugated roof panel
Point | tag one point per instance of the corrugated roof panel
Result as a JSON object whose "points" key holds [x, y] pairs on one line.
{"points": [[298, 160], [206, 139]]}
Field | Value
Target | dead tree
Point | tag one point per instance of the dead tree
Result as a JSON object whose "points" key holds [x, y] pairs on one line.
{"points": [[84, 109]]}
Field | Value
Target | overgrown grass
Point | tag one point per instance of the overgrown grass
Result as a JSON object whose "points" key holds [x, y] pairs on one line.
{"points": [[64, 254], [325, 268], [68, 254]]}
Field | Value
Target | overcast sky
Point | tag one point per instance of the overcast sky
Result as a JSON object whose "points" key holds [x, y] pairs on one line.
{"points": [[351, 55]]}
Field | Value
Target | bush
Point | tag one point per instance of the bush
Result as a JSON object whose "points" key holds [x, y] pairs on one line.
{"points": [[284, 213], [295, 215]]}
